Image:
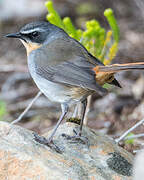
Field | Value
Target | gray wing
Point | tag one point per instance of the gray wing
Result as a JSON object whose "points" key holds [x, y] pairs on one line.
{"points": [[77, 72]]}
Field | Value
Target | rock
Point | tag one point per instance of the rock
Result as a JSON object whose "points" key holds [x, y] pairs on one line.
{"points": [[138, 166], [21, 158]]}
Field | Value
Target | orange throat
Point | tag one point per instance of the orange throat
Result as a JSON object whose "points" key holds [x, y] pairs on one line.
{"points": [[30, 46]]}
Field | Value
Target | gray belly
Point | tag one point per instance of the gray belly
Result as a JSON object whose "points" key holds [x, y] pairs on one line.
{"points": [[53, 91]]}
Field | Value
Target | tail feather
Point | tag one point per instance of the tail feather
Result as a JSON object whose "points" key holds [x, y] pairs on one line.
{"points": [[119, 67], [116, 83], [105, 74]]}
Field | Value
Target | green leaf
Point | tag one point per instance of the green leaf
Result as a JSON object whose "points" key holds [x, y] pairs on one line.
{"points": [[113, 23], [2, 109], [129, 141]]}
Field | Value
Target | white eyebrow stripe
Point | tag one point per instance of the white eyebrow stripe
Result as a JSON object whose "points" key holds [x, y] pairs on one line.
{"points": [[31, 30]]}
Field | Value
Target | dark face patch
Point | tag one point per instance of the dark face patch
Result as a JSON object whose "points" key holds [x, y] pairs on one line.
{"points": [[35, 37], [37, 32], [119, 164]]}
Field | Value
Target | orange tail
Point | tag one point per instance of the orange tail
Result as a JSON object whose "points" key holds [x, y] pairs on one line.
{"points": [[119, 67], [105, 74]]}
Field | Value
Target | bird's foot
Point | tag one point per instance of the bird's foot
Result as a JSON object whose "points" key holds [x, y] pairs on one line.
{"points": [[46, 142], [76, 138]]}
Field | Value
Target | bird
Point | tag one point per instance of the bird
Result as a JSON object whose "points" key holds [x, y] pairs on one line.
{"points": [[63, 70]]}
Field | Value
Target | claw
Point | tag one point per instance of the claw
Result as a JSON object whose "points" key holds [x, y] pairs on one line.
{"points": [[76, 138], [46, 142]]}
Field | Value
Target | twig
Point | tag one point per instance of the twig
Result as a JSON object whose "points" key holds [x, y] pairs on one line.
{"points": [[13, 79], [129, 130], [137, 151], [11, 68], [134, 136], [87, 110], [79, 110], [140, 5], [75, 111], [27, 108]]}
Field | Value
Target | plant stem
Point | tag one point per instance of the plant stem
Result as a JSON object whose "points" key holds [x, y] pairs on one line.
{"points": [[129, 130], [27, 108]]}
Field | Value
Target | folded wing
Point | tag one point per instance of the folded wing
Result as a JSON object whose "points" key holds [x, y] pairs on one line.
{"points": [[77, 73]]}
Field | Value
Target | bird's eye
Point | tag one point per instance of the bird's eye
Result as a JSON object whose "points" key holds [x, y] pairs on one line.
{"points": [[34, 34]]}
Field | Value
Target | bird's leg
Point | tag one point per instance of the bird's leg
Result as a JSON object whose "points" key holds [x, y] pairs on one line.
{"points": [[78, 135], [49, 141], [84, 103]]}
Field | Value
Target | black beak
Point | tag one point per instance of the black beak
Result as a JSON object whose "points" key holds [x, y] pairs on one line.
{"points": [[14, 35]]}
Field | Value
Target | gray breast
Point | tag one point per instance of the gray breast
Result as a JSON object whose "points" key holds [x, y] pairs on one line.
{"points": [[53, 91]]}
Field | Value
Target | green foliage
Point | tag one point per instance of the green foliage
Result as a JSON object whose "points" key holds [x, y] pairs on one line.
{"points": [[84, 8], [101, 44], [113, 23], [129, 141], [3, 111]]}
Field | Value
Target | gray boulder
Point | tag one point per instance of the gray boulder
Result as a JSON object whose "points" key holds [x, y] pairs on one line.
{"points": [[21, 158]]}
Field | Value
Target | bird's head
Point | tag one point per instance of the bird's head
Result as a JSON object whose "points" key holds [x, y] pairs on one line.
{"points": [[35, 34]]}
